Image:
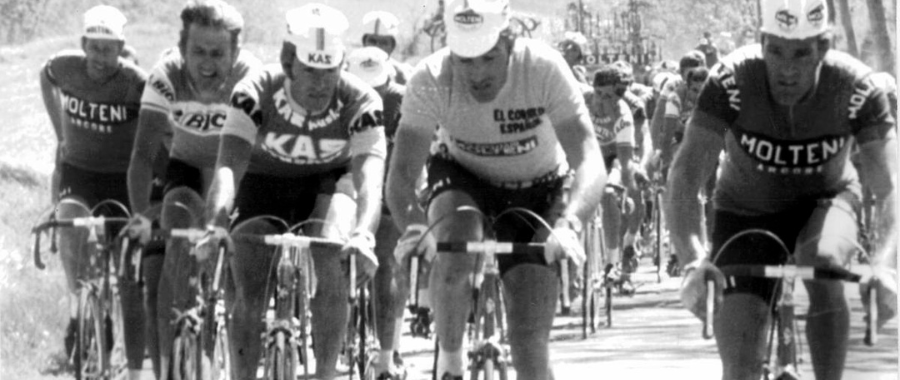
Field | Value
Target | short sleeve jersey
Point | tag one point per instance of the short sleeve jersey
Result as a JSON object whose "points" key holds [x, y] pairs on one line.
{"points": [[288, 141], [613, 123], [776, 156], [99, 120], [392, 98], [196, 121], [511, 138]]}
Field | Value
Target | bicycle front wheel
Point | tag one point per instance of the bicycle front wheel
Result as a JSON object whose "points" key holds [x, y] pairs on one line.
{"points": [[221, 360], [91, 357], [280, 359], [186, 356]]}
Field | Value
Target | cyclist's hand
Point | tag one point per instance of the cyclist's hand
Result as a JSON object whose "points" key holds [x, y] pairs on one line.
{"points": [[694, 288], [139, 227], [641, 180], [563, 242], [209, 244], [884, 279], [362, 244], [415, 241]]}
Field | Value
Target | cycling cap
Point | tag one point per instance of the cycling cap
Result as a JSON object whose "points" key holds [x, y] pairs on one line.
{"points": [[609, 75], [691, 59], [794, 19], [370, 64], [317, 31], [380, 23], [474, 26], [626, 72], [104, 22]]}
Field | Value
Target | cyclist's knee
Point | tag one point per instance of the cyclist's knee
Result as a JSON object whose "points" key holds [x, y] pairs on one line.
{"points": [[825, 251], [251, 262], [72, 207]]}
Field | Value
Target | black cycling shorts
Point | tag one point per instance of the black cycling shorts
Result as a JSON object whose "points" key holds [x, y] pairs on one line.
{"points": [[291, 199], [92, 187], [180, 173], [544, 198], [760, 249]]}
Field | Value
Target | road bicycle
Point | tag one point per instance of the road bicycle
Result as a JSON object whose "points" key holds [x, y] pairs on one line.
{"points": [[595, 280], [286, 339], [99, 350], [422, 315], [783, 340], [200, 348]]}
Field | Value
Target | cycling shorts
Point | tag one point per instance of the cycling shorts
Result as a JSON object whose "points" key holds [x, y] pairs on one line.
{"points": [[544, 198], [291, 199], [799, 224], [92, 187], [180, 173]]}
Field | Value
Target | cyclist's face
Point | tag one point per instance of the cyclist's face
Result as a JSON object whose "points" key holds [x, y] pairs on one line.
{"points": [[484, 75], [694, 84], [792, 67], [571, 54], [313, 88], [606, 93], [385, 43], [209, 56], [102, 57]]}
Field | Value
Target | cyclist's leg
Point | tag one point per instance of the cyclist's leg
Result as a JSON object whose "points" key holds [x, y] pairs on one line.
{"points": [[449, 283], [612, 224], [72, 242], [827, 239], [329, 306], [390, 295], [530, 293], [182, 208], [741, 323]]}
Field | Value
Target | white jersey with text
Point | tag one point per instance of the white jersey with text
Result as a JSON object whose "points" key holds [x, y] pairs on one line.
{"points": [[196, 121], [511, 138]]}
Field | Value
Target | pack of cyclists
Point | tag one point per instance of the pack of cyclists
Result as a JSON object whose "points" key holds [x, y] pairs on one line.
{"points": [[211, 138]]}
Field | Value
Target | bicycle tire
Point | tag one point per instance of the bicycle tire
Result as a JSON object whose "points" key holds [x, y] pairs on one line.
{"points": [[609, 306], [657, 220], [221, 358], [362, 360], [279, 360], [185, 354], [90, 347], [118, 359], [488, 369]]}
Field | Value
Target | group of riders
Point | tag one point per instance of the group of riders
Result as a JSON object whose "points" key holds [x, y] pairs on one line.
{"points": [[211, 138]]}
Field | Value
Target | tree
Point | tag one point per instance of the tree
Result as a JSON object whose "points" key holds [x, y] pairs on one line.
{"points": [[847, 23], [884, 56]]}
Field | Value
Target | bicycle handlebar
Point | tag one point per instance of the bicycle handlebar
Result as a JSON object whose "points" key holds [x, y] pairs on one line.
{"points": [[89, 222], [491, 247], [802, 272]]}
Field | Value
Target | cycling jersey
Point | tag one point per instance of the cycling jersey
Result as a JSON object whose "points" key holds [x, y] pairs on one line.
{"points": [[613, 124], [776, 157], [511, 139], [196, 121], [99, 120], [288, 141], [401, 71], [391, 97]]}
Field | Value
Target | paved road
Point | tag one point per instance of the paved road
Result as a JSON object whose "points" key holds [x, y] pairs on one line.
{"points": [[652, 337]]}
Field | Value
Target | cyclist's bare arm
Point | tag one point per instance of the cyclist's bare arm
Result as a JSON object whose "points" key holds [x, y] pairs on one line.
{"points": [[693, 164], [625, 153], [152, 128], [879, 165], [583, 155], [231, 164], [50, 95], [368, 177], [670, 124], [411, 145]]}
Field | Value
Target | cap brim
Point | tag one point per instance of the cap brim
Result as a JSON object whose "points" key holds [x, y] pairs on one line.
{"points": [[471, 45], [320, 60]]}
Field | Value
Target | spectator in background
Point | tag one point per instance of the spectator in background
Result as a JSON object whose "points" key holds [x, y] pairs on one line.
{"points": [[709, 49], [572, 49]]}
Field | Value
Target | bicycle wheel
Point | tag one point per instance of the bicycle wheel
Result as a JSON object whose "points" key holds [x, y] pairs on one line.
{"points": [[186, 355], [280, 359], [609, 306], [221, 358], [362, 360], [118, 360], [90, 348]]}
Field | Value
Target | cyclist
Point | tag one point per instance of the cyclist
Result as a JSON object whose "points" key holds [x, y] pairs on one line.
{"points": [[186, 103], [302, 140], [573, 51], [614, 130], [381, 30], [502, 142], [785, 111], [371, 65], [92, 97]]}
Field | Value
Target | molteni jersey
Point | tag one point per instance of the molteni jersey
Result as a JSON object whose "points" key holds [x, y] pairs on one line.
{"points": [[196, 121], [777, 156], [511, 138], [99, 120], [288, 141]]}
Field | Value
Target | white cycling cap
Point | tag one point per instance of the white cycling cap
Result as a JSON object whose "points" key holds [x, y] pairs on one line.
{"points": [[104, 22], [794, 19], [381, 23], [370, 64], [474, 26], [317, 32]]}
